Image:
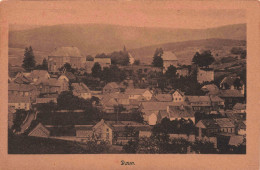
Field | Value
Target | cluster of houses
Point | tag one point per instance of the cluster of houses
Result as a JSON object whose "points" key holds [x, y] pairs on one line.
{"points": [[41, 86]]}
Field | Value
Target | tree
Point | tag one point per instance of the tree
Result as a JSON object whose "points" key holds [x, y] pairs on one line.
{"points": [[96, 70], [44, 64], [131, 146], [67, 67], [89, 58], [237, 83], [204, 59], [137, 62], [120, 57], [204, 147], [171, 72], [29, 59], [157, 58], [243, 54]]}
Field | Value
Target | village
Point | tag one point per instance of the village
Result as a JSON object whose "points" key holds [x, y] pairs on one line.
{"points": [[116, 101]]}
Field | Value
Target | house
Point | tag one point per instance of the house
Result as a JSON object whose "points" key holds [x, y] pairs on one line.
{"points": [[231, 97], [152, 109], [63, 55], [239, 120], [37, 75], [114, 132], [162, 98], [210, 89], [205, 75], [40, 131], [81, 90], [103, 61], [137, 93], [23, 90], [199, 103], [111, 87], [84, 132], [180, 112], [232, 82], [178, 96], [20, 78], [67, 76], [211, 127], [108, 104], [169, 58], [51, 85], [19, 102], [240, 108], [109, 101], [217, 103]]}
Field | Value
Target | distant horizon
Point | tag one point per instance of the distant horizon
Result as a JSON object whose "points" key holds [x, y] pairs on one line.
{"points": [[20, 27]]}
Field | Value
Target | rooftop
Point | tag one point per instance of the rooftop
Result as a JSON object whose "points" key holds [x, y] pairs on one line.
{"points": [[167, 55], [66, 52], [80, 88], [21, 87], [18, 99], [181, 111], [135, 91], [230, 93]]}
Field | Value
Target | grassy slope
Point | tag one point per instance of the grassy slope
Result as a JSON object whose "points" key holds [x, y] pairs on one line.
{"points": [[92, 39]]}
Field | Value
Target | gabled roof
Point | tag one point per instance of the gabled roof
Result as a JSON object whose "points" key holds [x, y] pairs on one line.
{"points": [[214, 98], [66, 52], [224, 122], [22, 80], [239, 106], [108, 101], [135, 91], [80, 88], [44, 131], [167, 55], [230, 93], [112, 85], [177, 90], [180, 111], [101, 123], [38, 74], [199, 100], [163, 97], [212, 88], [230, 80], [50, 82], [21, 87], [70, 76], [209, 123], [155, 106]]}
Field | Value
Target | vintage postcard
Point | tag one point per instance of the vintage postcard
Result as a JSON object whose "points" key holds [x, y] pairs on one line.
{"points": [[139, 84]]}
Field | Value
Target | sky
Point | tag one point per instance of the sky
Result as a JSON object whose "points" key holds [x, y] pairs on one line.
{"points": [[131, 14]]}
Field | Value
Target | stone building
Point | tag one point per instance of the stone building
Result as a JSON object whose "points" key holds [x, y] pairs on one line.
{"points": [[63, 55]]}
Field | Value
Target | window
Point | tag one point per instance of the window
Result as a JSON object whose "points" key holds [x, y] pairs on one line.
{"points": [[180, 99]]}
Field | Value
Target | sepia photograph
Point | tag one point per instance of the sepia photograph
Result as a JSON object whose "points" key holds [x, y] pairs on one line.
{"points": [[128, 81]]}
